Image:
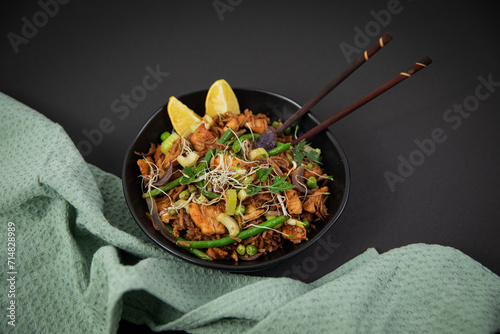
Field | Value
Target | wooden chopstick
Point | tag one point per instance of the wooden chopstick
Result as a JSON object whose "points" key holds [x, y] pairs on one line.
{"points": [[365, 99], [335, 82]]}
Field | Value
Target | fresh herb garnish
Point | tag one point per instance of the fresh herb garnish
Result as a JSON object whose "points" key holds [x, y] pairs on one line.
{"points": [[299, 153], [279, 184], [253, 190], [188, 175], [263, 173], [313, 156]]}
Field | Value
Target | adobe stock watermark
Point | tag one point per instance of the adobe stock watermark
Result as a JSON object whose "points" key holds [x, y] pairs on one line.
{"points": [[30, 27], [121, 108], [223, 6], [11, 269], [321, 253], [453, 117], [364, 37]]}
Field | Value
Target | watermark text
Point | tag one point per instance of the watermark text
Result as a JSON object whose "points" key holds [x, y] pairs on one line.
{"points": [[453, 117], [321, 253], [11, 273], [223, 6], [121, 107], [30, 27], [363, 37]]}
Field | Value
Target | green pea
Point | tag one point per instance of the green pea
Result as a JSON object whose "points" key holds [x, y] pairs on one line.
{"points": [[312, 182], [240, 210], [251, 250], [172, 212], [241, 249], [192, 188], [287, 131], [270, 217], [164, 135], [184, 194], [276, 124]]}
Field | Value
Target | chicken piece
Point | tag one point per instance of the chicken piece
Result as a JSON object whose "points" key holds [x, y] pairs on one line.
{"points": [[252, 212], [296, 232], [233, 124], [242, 118], [228, 160], [144, 167], [163, 203], [293, 203], [200, 137], [258, 125], [217, 253], [159, 156], [313, 201], [234, 255], [307, 216], [205, 217]]}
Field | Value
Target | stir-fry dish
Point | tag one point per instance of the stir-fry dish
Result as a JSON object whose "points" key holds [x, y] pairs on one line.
{"points": [[228, 188]]}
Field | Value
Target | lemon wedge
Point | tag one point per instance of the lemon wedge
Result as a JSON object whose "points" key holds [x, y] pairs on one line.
{"points": [[220, 99], [181, 116]]}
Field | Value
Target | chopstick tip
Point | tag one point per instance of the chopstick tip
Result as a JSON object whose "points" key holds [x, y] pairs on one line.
{"points": [[426, 61]]}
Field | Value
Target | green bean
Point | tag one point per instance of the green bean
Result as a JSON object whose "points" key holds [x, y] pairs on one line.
{"points": [[237, 142], [210, 195], [307, 224], [201, 254], [236, 146], [226, 136], [170, 185], [280, 147], [228, 240], [177, 182], [252, 136]]}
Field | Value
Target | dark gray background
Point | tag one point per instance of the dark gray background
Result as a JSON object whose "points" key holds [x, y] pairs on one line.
{"points": [[91, 52]]}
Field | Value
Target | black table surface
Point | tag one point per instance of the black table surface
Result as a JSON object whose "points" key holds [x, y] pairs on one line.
{"points": [[423, 157]]}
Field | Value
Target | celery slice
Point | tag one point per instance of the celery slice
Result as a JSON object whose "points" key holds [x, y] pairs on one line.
{"points": [[188, 161], [166, 145], [232, 199], [230, 223]]}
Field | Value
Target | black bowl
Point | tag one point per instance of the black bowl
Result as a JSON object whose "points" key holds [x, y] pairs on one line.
{"points": [[277, 107]]}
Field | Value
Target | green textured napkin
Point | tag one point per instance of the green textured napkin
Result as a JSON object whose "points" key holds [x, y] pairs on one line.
{"points": [[70, 231]]}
